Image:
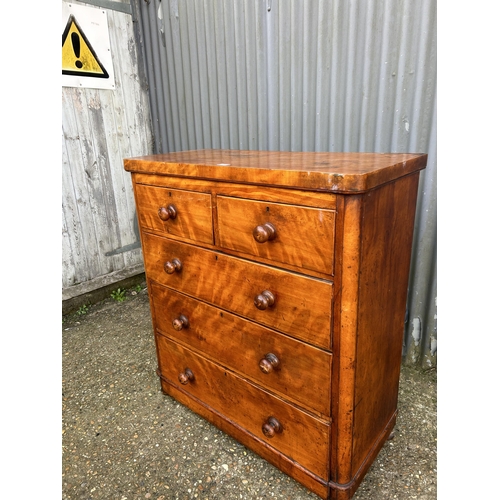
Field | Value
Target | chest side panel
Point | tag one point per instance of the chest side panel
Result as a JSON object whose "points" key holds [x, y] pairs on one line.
{"points": [[387, 231]]}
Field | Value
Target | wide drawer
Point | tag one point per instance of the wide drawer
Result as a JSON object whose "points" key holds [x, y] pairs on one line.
{"points": [[299, 435], [300, 236], [301, 305], [186, 214], [297, 371]]}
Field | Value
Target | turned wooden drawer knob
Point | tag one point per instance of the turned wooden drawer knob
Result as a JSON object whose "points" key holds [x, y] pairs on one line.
{"points": [[180, 323], [186, 376], [271, 427], [269, 363], [170, 212], [266, 232], [264, 300], [172, 266]]}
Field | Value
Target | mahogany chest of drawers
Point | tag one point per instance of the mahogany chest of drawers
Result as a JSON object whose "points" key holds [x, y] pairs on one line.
{"points": [[278, 285]]}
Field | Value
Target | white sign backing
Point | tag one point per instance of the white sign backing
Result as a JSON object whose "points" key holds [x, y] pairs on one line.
{"points": [[86, 52]]}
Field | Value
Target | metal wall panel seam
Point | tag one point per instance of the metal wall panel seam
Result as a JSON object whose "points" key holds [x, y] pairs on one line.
{"points": [[251, 71], [222, 77], [241, 76], [324, 56], [195, 133], [337, 112], [203, 76], [177, 82], [152, 60], [270, 15], [158, 70], [261, 73], [284, 34], [369, 84]]}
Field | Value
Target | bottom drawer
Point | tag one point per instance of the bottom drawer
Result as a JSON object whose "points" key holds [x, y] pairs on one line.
{"points": [[291, 431]]}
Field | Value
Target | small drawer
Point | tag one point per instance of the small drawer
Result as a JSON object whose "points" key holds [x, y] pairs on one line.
{"points": [[298, 371], [293, 432], [290, 234], [186, 214], [291, 303]]}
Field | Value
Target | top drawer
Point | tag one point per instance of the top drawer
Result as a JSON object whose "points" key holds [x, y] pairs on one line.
{"points": [[187, 214], [299, 236]]}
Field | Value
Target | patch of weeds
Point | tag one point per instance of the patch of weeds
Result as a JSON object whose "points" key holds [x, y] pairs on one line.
{"points": [[83, 310], [118, 295], [138, 288]]}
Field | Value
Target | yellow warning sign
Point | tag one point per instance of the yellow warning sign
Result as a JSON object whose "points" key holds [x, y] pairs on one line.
{"points": [[78, 56]]}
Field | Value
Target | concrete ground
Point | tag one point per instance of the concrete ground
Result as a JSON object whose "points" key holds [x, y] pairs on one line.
{"points": [[123, 439]]}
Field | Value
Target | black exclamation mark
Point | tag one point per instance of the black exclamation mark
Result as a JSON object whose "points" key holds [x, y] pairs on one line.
{"points": [[75, 40]]}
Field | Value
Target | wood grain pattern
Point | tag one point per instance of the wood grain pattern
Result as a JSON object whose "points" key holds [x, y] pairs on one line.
{"points": [[387, 231], [250, 330], [303, 304], [346, 347], [252, 192], [304, 438], [304, 236], [194, 212], [303, 374], [335, 172]]}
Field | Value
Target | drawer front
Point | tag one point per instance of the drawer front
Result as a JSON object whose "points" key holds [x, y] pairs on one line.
{"points": [[294, 235], [297, 371], [303, 437], [190, 217], [301, 306]]}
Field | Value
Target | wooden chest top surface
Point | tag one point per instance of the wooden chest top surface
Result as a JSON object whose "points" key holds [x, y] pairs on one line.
{"points": [[334, 172]]}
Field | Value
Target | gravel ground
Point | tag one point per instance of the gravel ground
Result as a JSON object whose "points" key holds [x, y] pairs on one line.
{"points": [[123, 439]]}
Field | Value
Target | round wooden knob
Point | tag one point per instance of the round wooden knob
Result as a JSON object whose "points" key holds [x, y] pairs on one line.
{"points": [[264, 300], [186, 376], [271, 427], [170, 212], [175, 265], [266, 232], [269, 363], [180, 323]]}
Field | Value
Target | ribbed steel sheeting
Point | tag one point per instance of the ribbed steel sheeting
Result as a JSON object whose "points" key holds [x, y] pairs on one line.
{"points": [[304, 75]]}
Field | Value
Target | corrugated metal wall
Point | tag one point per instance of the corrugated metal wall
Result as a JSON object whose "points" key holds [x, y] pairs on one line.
{"points": [[100, 128], [304, 75]]}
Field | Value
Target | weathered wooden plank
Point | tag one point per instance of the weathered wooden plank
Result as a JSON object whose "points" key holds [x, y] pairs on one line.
{"points": [[80, 154], [130, 132], [69, 219]]}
